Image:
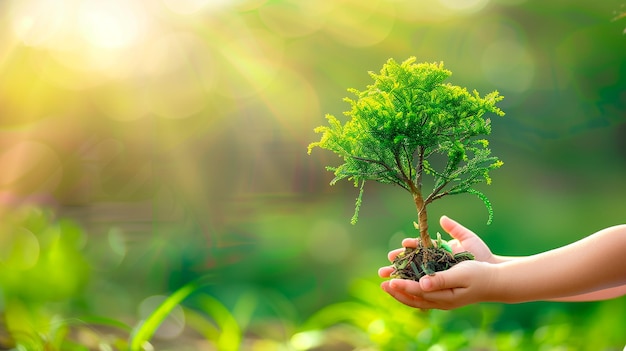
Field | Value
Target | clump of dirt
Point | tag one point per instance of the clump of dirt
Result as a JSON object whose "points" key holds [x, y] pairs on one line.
{"points": [[415, 263]]}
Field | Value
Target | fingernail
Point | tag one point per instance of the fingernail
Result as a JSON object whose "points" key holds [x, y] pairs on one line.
{"points": [[426, 283]]}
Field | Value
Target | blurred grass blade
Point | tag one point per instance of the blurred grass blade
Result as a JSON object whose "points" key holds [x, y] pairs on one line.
{"points": [[198, 321], [103, 321], [147, 328], [244, 309], [230, 336]]}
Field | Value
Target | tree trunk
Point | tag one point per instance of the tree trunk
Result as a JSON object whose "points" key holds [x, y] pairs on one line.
{"points": [[422, 219]]}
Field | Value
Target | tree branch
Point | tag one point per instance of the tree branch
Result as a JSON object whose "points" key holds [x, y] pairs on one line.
{"points": [[419, 169], [435, 193], [410, 158], [396, 156], [432, 197], [389, 169]]}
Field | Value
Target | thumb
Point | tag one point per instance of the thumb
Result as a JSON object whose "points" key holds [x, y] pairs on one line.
{"points": [[455, 277], [455, 229]]}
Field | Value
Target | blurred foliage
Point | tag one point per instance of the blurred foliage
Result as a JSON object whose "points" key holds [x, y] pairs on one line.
{"points": [[146, 144], [42, 268]]}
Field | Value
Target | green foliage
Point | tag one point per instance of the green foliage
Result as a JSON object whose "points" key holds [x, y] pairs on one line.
{"points": [[407, 118], [41, 269], [40, 257], [249, 317], [370, 320], [146, 329], [225, 331]]}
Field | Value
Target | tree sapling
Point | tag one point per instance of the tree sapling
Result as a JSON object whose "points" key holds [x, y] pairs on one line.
{"points": [[407, 125]]}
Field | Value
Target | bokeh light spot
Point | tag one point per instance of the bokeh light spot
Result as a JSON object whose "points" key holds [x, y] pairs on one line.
{"points": [[183, 70], [252, 61], [117, 241], [292, 101], [293, 18], [376, 327], [172, 326], [19, 249], [30, 166], [109, 24], [360, 23], [36, 22], [81, 36], [509, 66], [249, 5], [307, 340], [509, 2], [188, 7], [465, 6]]}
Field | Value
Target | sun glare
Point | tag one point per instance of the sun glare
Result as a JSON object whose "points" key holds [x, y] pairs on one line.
{"points": [[81, 35], [188, 7], [36, 23], [466, 6], [102, 24], [109, 24]]}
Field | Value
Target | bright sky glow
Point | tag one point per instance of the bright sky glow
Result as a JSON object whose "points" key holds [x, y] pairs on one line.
{"points": [[35, 23], [467, 6], [187, 7], [109, 24]]}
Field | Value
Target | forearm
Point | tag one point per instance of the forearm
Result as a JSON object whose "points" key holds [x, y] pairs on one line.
{"points": [[501, 259], [591, 264], [603, 294]]}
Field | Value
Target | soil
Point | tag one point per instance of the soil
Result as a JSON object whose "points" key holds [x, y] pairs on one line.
{"points": [[415, 263]]}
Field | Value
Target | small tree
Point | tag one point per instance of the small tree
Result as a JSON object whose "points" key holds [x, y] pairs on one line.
{"points": [[399, 124]]}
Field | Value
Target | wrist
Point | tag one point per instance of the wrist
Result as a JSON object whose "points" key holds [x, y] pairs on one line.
{"points": [[498, 287], [496, 259]]}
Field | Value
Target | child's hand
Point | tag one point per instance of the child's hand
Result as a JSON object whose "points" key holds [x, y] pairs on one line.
{"points": [[567, 273], [466, 283], [464, 240], [444, 290]]}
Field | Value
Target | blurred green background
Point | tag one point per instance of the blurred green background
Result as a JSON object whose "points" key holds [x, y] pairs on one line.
{"points": [[146, 144]]}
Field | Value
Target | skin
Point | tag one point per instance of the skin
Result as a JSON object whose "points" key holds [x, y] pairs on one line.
{"points": [[592, 268]]}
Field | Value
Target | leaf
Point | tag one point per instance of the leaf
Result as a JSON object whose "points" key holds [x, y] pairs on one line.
{"points": [[146, 329], [357, 205], [109, 322], [485, 201], [230, 335]]}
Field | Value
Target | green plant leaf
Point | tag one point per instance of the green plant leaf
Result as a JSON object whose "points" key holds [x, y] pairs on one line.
{"points": [[146, 329], [230, 335], [104, 321], [485, 201]]}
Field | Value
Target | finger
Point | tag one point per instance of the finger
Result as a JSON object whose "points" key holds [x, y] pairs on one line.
{"points": [[402, 297], [414, 295], [441, 299], [409, 242], [409, 287], [385, 272], [455, 229], [453, 278], [392, 254]]}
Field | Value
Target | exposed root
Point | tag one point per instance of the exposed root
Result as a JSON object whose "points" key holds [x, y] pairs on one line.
{"points": [[415, 263]]}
